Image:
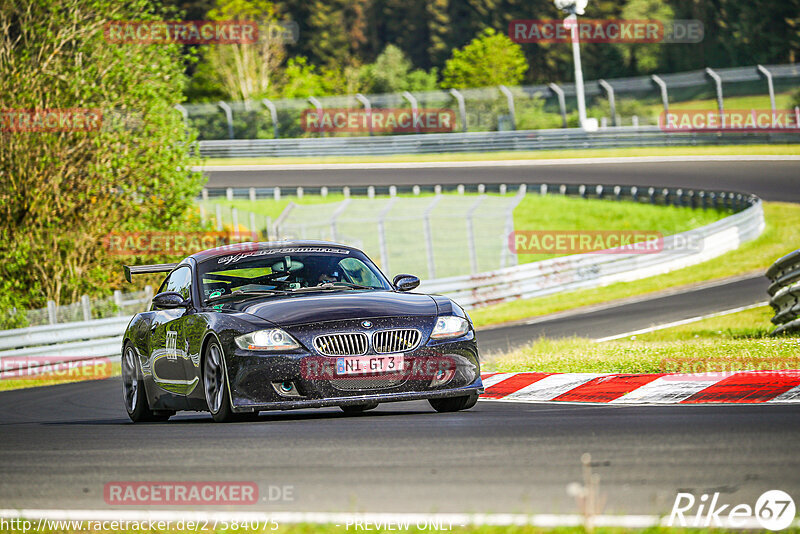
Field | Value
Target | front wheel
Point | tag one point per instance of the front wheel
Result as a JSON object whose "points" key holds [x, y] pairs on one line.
{"points": [[454, 404], [133, 390], [215, 384]]}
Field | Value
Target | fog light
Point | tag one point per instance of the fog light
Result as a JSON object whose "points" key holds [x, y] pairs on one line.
{"points": [[442, 376], [286, 388]]}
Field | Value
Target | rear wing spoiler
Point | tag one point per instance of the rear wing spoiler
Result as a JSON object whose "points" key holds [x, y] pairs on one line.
{"points": [[147, 269]]}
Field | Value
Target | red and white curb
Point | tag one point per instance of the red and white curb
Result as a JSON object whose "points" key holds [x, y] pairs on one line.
{"points": [[744, 387]]}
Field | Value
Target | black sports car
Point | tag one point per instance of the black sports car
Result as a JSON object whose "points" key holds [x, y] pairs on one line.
{"points": [[285, 325]]}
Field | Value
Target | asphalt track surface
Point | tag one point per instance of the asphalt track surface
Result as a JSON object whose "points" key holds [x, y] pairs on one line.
{"points": [[60, 445], [634, 314], [774, 180]]}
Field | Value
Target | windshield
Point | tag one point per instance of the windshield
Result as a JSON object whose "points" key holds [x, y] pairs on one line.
{"points": [[282, 271]]}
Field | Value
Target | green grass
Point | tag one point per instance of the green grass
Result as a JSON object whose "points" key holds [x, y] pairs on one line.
{"points": [[781, 236], [568, 213], [734, 150], [725, 343]]}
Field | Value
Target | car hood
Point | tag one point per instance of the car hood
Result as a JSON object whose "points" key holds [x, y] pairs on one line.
{"points": [[317, 307]]}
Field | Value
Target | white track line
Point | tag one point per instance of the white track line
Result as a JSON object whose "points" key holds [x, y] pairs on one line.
{"points": [[681, 322], [426, 520], [490, 163]]}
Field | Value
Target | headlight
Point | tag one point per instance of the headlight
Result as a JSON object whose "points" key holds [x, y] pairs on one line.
{"points": [[449, 326], [272, 339]]}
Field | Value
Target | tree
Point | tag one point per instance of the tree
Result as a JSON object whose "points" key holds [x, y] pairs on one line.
{"points": [[488, 60], [641, 58], [62, 191], [246, 71], [391, 73]]}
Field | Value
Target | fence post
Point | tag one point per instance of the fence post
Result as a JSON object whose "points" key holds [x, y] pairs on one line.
{"points": [[318, 105], [426, 222], [414, 108], [664, 96], [371, 192], [462, 108], [382, 245], [202, 214], [235, 221], [510, 99], [611, 102], [505, 251], [252, 194], [229, 193], [718, 83], [473, 253], [204, 194], [273, 114], [184, 114], [323, 191], [300, 191], [87, 307], [367, 108], [561, 102], [276, 193], [118, 301], [219, 217], [253, 232], [768, 75], [228, 115], [52, 316], [339, 210]]}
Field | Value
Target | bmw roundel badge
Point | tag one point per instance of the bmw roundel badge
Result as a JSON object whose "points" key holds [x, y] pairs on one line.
{"points": [[366, 324]]}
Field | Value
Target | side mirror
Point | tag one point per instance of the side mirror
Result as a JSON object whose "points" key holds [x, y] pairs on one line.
{"points": [[169, 300], [405, 282]]}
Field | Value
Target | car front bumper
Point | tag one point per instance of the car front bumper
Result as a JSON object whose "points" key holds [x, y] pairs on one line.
{"points": [[253, 379]]}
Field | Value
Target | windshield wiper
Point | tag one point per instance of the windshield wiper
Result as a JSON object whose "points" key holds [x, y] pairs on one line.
{"points": [[248, 294], [333, 285]]}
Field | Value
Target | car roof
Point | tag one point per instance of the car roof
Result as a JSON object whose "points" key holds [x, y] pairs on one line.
{"points": [[226, 250]]}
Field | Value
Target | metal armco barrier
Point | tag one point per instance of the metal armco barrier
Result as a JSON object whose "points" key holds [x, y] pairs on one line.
{"points": [[574, 138], [785, 292], [582, 271]]}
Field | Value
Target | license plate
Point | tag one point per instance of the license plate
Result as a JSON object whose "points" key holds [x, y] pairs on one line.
{"points": [[359, 365]]}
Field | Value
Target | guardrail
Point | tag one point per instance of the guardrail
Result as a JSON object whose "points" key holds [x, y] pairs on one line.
{"points": [[785, 292], [623, 136], [67, 342], [581, 271]]}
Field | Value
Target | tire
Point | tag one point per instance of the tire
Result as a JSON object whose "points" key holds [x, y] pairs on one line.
{"points": [[133, 393], [454, 404], [355, 409], [215, 384]]}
